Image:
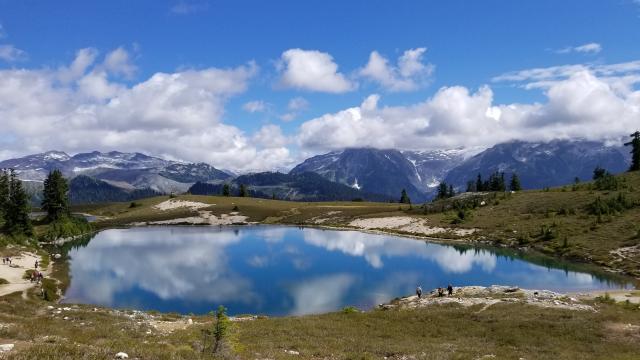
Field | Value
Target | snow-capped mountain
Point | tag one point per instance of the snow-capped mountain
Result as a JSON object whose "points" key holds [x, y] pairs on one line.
{"points": [[384, 172], [124, 170], [540, 165], [433, 165]]}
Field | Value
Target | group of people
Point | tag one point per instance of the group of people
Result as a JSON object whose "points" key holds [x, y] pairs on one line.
{"points": [[6, 261], [440, 291], [36, 276]]}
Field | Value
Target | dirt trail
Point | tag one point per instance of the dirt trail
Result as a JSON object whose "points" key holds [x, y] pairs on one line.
{"points": [[13, 274]]}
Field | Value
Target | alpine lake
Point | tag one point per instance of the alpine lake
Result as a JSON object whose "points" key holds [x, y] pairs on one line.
{"points": [[282, 270]]}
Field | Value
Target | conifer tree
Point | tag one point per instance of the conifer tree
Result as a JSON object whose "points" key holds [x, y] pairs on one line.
{"points": [[635, 151], [479, 184], [17, 219], [515, 183], [226, 190], [404, 198], [471, 186], [243, 191], [55, 196], [599, 172], [4, 192], [451, 193], [443, 191]]}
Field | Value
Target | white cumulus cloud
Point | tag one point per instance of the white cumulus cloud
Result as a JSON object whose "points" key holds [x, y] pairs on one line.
{"points": [[177, 114], [409, 74], [255, 106], [10, 53], [579, 104], [313, 71]]}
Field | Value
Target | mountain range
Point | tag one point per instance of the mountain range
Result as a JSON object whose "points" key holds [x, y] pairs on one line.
{"points": [[359, 173]]}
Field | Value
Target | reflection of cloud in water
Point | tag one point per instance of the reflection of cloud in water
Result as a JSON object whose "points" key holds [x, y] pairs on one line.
{"points": [[191, 266], [271, 234], [258, 261], [546, 278], [394, 284], [374, 247], [321, 294]]}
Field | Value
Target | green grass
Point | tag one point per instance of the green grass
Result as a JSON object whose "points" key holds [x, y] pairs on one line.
{"points": [[505, 330]]}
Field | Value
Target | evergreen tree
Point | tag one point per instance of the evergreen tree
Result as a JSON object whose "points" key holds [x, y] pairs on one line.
{"points": [[226, 190], [4, 192], [479, 184], [515, 183], [16, 218], [55, 196], [443, 191], [243, 191], [471, 186], [404, 198], [496, 182], [599, 172], [635, 151], [451, 193]]}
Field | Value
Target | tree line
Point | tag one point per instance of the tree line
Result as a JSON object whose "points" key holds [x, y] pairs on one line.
{"points": [[15, 207]]}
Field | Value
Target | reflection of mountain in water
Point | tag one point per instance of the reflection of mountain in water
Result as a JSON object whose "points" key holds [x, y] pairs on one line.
{"points": [[374, 249]]}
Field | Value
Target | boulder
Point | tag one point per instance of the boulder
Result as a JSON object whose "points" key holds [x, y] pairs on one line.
{"points": [[6, 347], [122, 355]]}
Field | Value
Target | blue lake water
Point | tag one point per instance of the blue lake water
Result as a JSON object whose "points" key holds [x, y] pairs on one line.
{"points": [[279, 270]]}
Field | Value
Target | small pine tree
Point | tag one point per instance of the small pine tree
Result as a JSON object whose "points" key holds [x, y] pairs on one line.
{"points": [[226, 190], [514, 185], [55, 196], [4, 192], [221, 327], [17, 219], [451, 193], [479, 184], [404, 198], [471, 186], [635, 151], [243, 192], [443, 191], [599, 172]]}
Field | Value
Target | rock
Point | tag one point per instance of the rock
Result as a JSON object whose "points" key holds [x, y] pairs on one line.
{"points": [[6, 347], [190, 322], [292, 352], [57, 256], [511, 289], [122, 355]]}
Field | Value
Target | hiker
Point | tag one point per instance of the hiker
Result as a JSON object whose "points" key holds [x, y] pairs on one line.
{"points": [[40, 277], [419, 292], [37, 264], [440, 292], [450, 290]]}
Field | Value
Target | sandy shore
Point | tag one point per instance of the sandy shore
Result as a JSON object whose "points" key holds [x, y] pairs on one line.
{"points": [[14, 273], [406, 224]]}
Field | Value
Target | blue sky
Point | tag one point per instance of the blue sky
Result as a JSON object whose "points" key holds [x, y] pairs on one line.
{"points": [[464, 44]]}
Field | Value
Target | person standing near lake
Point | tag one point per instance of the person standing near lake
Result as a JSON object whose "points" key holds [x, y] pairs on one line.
{"points": [[419, 292], [450, 290]]}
